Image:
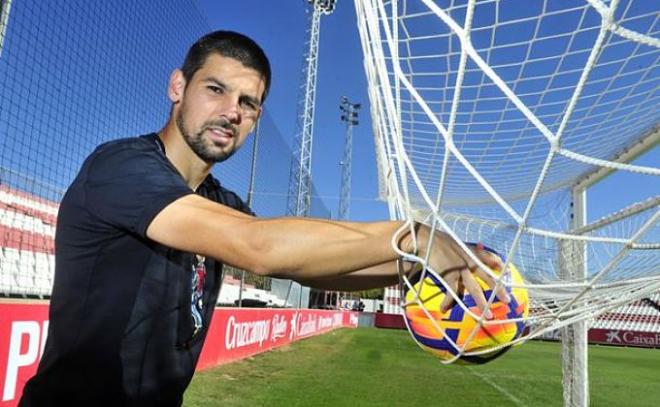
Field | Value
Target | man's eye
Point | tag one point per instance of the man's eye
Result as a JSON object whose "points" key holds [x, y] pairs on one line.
{"points": [[249, 105], [217, 89]]}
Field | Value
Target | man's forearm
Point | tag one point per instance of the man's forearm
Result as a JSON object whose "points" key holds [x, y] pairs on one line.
{"points": [[310, 249], [296, 248], [382, 275]]}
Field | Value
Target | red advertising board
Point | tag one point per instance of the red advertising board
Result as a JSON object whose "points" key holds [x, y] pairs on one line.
{"points": [[23, 330], [616, 337], [623, 337], [235, 333], [619, 337], [393, 321]]}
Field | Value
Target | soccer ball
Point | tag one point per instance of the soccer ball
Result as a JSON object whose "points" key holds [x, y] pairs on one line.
{"points": [[446, 334]]}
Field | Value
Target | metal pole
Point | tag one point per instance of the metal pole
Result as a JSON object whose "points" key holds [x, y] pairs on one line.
{"points": [[288, 292], [349, 114], [300, 177], [575, 336], [5, 6], [250, 194], [253, 169]]}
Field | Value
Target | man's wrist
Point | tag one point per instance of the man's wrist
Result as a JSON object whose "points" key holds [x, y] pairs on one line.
{"points": [[409, 242]]}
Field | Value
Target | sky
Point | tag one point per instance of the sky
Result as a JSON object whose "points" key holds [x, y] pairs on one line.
{"points": [[61, 102], [87, 83], [280, 28]]}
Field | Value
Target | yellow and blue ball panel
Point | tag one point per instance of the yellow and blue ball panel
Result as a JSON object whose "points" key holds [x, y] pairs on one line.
{"points": [[457, 325]]}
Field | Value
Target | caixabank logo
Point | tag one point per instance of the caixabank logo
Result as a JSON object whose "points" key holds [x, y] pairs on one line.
{"points": [[633, 338], [613, 337]]}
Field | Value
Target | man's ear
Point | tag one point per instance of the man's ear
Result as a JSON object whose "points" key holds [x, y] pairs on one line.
{"points": [[176, 86]]}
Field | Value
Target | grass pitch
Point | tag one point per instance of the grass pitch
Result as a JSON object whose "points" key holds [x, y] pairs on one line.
{"points": [[377, 367]]}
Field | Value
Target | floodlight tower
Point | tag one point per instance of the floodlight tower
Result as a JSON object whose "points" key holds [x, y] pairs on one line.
{"points": [[300, 176], [349, 114], [5, 6]]}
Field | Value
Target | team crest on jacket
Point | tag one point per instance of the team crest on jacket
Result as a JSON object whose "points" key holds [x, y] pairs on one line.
{"points": [[197, 297]]}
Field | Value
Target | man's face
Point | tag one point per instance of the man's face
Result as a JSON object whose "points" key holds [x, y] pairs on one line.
{"points": [[219, 107]]}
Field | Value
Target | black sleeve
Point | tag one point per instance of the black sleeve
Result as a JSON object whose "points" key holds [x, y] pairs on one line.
{"points": [[127, 185]]}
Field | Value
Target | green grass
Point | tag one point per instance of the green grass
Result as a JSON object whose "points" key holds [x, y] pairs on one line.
{"points": [[377, 367]]}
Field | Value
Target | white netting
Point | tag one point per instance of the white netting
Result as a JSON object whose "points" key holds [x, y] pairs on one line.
{"points": [[488, 113]]}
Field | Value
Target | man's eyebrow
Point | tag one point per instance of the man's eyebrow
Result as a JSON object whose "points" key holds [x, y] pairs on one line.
{"points": [[249, 98], [216, 81]]}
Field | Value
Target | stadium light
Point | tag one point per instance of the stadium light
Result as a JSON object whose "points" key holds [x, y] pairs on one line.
{"points": [[324, 6], [350, 116], [5, 6]]}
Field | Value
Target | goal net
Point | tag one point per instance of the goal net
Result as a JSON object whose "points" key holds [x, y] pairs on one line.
{"points": [[492, 119]]}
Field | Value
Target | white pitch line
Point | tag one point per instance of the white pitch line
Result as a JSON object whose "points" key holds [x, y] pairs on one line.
{"points": [[510, 396]]}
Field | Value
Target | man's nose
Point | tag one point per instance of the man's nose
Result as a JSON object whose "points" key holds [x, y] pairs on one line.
{"points": [[232, 111]]}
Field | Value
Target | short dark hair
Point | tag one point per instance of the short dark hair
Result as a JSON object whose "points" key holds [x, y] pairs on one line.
{"points": [[231, 45]]}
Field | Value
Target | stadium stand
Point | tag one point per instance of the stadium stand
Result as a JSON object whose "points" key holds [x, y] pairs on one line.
{"points": [[641, 316], [652, 303], [27, 264], [27, 231]]}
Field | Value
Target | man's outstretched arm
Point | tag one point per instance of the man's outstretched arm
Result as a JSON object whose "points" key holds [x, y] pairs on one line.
{"points": [[382, 275], [386, 274], [341, 255], [297, 248]]}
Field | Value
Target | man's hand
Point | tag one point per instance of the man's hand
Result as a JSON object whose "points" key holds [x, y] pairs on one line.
{"points": [[456, 267]]}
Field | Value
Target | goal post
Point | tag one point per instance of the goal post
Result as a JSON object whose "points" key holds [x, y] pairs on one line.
{"points": [[574, 350], [574, 338], [492, 121]]}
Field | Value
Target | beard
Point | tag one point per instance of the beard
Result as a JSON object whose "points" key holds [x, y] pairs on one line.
{"points": [[205, 148]]}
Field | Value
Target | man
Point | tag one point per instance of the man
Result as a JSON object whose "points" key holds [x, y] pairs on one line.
{"points": [[144, 229]]}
